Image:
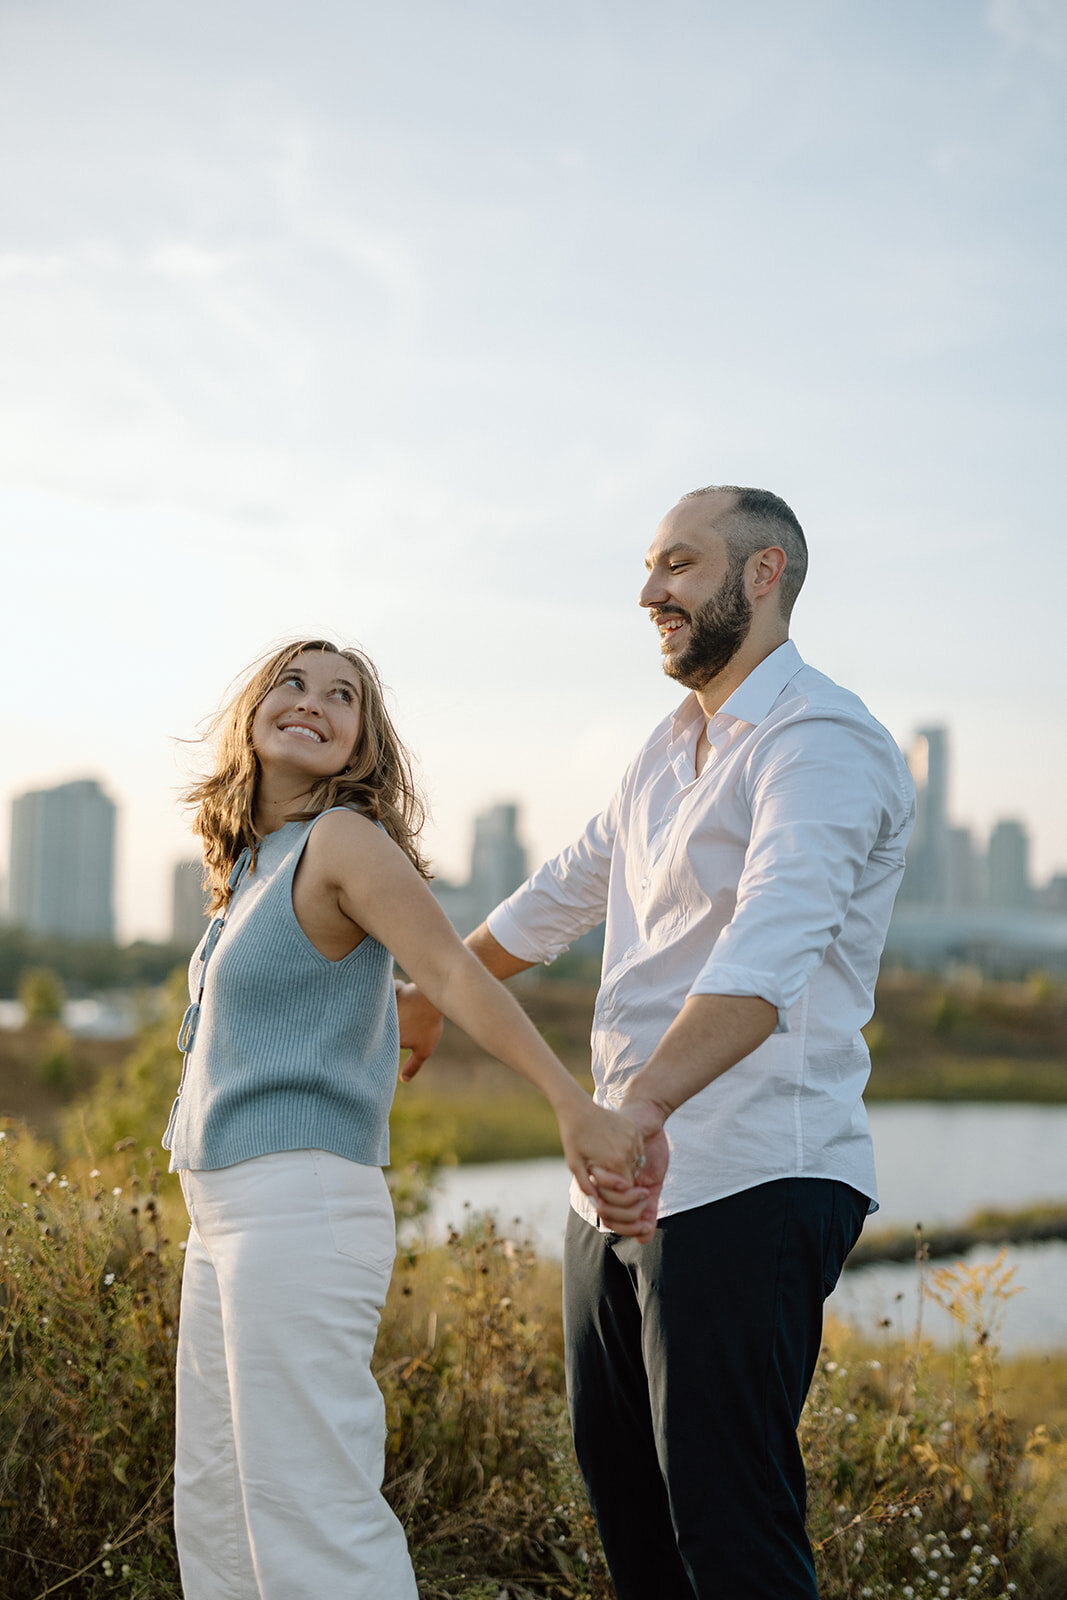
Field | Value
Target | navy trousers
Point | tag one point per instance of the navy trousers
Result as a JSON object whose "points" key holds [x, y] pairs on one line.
{"points": [[688, 1362]]}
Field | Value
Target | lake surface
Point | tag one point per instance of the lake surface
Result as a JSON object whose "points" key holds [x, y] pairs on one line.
{"points": [[936, 1164]]}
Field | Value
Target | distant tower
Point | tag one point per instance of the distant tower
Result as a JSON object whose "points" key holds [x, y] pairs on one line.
{"points": [[926, 879], [498, 860], [188, 913], [63, 861], [1009, 865], [965, 870]]}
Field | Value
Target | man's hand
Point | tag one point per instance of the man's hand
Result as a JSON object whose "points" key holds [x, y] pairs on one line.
{"points": [[421, 1025], [633, 1209]]}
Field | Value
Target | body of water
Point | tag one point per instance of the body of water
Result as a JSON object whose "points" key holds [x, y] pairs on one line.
{"points": [[936, 1164]]}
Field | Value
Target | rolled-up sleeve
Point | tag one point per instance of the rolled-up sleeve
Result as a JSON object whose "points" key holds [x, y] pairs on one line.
{"points": [[826, 802], [564, 899]]}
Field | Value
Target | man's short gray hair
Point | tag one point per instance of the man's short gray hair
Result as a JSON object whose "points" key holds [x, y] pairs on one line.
{"points": [[757, 519]]}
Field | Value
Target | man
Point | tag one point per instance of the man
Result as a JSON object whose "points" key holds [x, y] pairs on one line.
{"points": [[746, 867]]}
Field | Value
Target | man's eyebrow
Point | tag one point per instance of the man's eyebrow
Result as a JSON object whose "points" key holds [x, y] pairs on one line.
{"points": [[658, 556]]}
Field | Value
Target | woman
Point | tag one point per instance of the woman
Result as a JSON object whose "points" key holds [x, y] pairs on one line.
{"points": [[310, 827]]}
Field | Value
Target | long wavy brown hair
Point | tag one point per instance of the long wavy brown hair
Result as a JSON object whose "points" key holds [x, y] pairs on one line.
{"points": [[378, 780]]}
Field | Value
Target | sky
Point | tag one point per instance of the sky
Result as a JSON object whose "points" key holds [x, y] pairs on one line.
{"points": [[406, 325]]}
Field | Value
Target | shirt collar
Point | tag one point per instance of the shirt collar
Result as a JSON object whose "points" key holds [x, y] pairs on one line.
{"points": [[754, 697]]}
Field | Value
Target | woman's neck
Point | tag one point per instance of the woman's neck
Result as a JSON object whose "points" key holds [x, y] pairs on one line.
{"points": [[275, 803]]}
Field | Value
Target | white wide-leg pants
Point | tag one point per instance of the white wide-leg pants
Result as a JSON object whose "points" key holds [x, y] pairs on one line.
{"points": [[281, 1427]]}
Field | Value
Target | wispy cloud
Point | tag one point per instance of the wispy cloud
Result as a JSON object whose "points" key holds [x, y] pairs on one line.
{"points": [[1039, 25]]}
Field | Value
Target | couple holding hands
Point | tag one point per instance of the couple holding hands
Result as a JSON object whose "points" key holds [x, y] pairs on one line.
{"points": [[746, 868]]}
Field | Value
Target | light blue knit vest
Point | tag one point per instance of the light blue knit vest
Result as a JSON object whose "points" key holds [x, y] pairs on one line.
{"points": [[291, 1051]]}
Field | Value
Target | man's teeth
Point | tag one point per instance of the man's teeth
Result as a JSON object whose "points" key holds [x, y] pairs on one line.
{"points": [[669, 624]]}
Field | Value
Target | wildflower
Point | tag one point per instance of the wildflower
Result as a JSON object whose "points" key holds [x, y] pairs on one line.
{"points": [[108, 1568], [907, 1591], [831, 1366], [51, 1178], [117, 1191], [64, 1183], [965, 1533], [3, 1135], [994, 1561], [918, 1552], [875, 1366], [95, 1173], [109, 1278]]}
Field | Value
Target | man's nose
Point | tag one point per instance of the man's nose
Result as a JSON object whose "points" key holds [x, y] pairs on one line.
{"points": [[653, 592]]}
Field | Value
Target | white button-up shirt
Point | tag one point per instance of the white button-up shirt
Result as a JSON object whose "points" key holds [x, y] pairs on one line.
{"points": [[773, 873]]}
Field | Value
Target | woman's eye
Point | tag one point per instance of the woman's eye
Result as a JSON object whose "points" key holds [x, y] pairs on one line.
{"points": [[292, 677], [345, 695]]}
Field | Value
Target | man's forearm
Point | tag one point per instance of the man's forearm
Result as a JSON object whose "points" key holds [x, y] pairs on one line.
{"points": [[492, 955], [710, 1034]]}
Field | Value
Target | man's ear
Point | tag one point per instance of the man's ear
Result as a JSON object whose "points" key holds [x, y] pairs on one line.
{"points": [[765, 570]]}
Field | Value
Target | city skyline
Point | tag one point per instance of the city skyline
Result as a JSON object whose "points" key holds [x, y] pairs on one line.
{"points": [[492, 856], [406, 326]]}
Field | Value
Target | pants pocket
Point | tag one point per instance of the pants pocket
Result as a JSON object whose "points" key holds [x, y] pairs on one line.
{"points": [[846, 1224], [359, 1210]]}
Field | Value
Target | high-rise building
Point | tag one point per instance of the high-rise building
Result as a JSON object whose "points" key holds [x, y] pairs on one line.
{"points": [[966, 870], [498, 859], [498, 865], [926, 878], [63, 861], [1008, 864], [188, 905]]}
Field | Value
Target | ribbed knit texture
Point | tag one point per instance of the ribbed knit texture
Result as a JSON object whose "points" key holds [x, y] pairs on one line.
{"points": [[292, 1051]]}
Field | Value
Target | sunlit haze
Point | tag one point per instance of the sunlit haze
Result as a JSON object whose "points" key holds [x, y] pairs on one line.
{"points": [[406, 324]]}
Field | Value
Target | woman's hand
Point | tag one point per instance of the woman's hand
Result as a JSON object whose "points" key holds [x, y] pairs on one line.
{"points": [[634, 1210], [594, 1138]]}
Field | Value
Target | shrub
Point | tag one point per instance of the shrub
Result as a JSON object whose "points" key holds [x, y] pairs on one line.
{"points": [[87, 1326]]}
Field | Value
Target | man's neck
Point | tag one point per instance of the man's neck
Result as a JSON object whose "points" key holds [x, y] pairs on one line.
{"points": [[714, 695]]}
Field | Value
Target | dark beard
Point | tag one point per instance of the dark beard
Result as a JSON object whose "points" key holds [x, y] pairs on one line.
{"points": [[716, 632]]}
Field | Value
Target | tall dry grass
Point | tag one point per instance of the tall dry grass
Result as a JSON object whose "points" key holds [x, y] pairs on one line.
{"points": [[922, 1483]]}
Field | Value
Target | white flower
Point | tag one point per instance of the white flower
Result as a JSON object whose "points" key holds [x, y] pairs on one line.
{"points": [[64, 1184], [109, 1278], [95, 1173], [117, 1191]]}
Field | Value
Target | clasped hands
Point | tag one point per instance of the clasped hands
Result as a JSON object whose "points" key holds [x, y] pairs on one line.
{"points": [[626, 1205]]}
